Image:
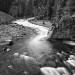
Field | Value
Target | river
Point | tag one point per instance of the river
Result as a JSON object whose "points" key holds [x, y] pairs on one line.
{"points": [[37, 45]]}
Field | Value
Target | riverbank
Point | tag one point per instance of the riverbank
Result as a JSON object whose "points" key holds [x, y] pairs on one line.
{"points": [[18, 34]]}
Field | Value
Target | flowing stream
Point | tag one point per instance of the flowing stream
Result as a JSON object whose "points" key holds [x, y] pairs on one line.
{"points": [[36, 44]]}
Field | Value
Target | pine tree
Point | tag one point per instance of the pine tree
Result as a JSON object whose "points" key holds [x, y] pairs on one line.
{"points": [[67, 8], [14, 9], [57, 9]]}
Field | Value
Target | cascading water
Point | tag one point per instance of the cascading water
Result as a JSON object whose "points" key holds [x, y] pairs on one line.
{"points": [[36, 44]]}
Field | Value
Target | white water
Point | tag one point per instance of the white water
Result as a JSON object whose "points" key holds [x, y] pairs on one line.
{"points": [[36, 43], [54, 71]]}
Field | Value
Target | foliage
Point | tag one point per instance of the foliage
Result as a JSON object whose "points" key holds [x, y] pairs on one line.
{"points": [[66, 28]]}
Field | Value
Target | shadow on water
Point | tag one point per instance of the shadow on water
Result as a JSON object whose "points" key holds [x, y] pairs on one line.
{"points": [[62, 44]]}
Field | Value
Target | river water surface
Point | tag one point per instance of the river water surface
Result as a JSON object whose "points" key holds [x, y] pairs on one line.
{"points": [[36, 44]]}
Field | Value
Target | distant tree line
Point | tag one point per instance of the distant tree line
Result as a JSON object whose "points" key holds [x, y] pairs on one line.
{"points": [[51, 9]]}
